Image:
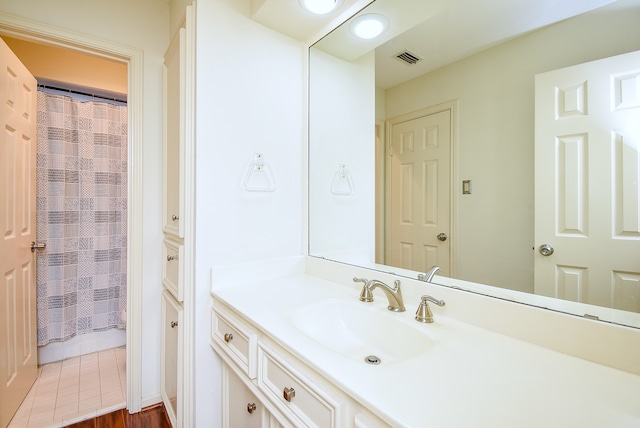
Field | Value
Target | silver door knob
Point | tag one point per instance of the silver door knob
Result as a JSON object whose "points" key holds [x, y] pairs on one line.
{"points": [[35, 246], [442, 236], [545, 249]]}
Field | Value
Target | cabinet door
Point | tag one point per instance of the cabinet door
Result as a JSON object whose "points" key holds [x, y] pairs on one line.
{"points": [[242, 408], [171, 358], [173, 268], [174, 135]]}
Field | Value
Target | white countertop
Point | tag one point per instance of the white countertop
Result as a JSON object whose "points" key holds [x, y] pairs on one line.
{"points": [[469, 378]]}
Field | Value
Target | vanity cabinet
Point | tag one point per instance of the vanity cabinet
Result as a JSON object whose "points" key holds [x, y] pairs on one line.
{"points": [[177, 227], [285, 391]]}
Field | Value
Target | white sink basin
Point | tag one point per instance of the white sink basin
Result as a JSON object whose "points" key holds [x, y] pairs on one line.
{"points": [[358, 330]]}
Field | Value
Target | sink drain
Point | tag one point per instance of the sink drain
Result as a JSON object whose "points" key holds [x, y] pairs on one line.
{"points": [[372, 359]]}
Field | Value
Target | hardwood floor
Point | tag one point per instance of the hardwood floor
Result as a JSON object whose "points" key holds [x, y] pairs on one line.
{"points": [[151, 417]]}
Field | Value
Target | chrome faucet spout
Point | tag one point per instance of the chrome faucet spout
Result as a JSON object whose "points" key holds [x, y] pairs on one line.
{"points": [[394, 294], [428, 276]]}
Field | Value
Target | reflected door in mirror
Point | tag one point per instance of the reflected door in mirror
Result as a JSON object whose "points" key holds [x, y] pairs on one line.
{"points": [[587, 149], [419, 192]]}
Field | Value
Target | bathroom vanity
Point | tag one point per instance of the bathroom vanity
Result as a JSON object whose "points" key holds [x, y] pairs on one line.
{"points": [[294, 342]]}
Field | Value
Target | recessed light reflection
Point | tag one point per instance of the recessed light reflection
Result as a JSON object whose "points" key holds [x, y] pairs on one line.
{"points": [[369, 26], [319, 7]]}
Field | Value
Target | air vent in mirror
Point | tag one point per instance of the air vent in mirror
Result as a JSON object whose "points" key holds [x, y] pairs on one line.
{"points": [[408, 57]]}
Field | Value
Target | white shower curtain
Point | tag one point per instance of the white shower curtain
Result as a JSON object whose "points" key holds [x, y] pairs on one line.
{"points": [[82, 216]]}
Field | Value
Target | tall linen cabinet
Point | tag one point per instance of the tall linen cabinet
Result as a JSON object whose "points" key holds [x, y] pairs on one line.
{"points": [[178, 222]]}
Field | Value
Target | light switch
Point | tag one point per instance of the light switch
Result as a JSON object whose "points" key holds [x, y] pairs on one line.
{"points": [[466, 187]]}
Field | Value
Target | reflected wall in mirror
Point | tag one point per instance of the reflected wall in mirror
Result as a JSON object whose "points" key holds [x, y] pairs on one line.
{"points": [[477, 63]]}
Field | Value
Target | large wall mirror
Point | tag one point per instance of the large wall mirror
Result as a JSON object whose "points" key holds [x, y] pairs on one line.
{"points": [[425, 149]]}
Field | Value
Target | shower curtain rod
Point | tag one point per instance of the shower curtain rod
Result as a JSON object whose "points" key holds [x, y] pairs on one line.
{"points": [[108, 96]]}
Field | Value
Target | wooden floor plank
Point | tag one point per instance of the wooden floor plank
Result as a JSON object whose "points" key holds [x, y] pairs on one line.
{"points": [[152, 416]]}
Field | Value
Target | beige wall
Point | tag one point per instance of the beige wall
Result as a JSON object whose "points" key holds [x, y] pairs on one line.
{"points": [[64, 65], [495, 134]]}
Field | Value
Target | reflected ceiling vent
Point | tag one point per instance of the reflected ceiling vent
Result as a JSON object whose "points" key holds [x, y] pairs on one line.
{"points": [[408, 57]]}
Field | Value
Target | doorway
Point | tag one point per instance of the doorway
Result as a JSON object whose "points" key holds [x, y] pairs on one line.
{"points": [[47, 35], [419, 198]]}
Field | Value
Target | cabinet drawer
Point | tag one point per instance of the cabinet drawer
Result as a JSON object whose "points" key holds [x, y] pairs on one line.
{"points": [[294, 393], [173, 268], [236, 339]]}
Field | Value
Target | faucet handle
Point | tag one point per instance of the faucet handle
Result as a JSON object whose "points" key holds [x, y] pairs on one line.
{"points": [[432, 300], [424, 314], [365, 295]]}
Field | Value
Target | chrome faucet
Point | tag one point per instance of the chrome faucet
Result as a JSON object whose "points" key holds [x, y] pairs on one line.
{"points": [[427, 277], [424, 313], [394, 295]]}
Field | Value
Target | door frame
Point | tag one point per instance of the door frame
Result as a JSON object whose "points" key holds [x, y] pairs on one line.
{"points": [[452, 107], [13, 26]]}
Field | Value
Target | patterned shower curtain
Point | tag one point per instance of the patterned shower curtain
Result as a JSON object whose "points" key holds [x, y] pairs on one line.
{"points": [[82, 216]]}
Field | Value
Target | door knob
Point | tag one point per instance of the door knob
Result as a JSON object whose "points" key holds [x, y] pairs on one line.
{"points": [[35, 246], [545, 249], [442, 236]]}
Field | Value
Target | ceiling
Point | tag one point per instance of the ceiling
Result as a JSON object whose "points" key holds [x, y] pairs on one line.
{"points": [[468, 27], [438, 32], [289, 18]]}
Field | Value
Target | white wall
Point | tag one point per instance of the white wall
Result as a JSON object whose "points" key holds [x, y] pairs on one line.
{"points": [[342, 97], [495, 92], [141, 24], [250, 91]]}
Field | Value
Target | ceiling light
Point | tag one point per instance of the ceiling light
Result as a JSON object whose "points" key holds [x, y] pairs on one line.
{"points": [[319, 7], [369, 26]]}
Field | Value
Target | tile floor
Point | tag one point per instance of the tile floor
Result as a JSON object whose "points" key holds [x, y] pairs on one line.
{"points": [[74, 390]]}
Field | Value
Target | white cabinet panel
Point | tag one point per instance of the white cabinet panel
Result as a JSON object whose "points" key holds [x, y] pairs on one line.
{"points": [[171, 358], [237, 340], [173, 268], [295, 393], [242, 407], [174, 136]]}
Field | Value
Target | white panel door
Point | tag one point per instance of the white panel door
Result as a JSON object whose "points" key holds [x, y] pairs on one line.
{"points": [[587, 166], [19, 353], [419, 224]]}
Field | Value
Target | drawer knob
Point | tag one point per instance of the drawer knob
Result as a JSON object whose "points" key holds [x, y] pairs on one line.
{"points": [[288, 393], [171, 258], [175, 217], [228, 337], [174, 324], [251, 407]]}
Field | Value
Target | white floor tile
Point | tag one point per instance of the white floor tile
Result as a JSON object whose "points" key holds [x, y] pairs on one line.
{"points": [[74, 390]]}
